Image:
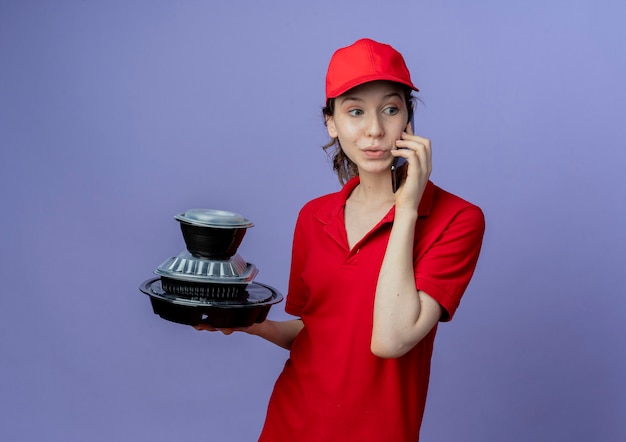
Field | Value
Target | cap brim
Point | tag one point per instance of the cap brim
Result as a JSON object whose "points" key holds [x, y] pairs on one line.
{"points": [[366, 79]]}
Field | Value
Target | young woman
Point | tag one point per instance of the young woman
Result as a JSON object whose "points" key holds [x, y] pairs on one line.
{"points": [[372, 271]]}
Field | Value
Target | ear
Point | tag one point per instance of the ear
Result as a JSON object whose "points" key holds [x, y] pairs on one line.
{"points": [[330, 126]]}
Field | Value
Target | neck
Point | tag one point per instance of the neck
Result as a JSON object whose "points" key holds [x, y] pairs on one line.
{"points": [[373, 189]]}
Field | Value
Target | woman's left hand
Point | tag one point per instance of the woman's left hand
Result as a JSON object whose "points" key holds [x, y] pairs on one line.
{"points": [[417, 151]]}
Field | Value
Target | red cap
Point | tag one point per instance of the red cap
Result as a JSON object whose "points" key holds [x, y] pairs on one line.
{"points": [[363, 61]]}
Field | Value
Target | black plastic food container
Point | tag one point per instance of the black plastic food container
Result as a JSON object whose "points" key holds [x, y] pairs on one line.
{"points": [[218, 317], [210, 282], [213, 234], [252, 307], [203, 290], [211, 242]]}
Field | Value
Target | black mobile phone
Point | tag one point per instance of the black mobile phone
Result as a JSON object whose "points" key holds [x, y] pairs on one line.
{"points": [[399, 166], [398, 172]]}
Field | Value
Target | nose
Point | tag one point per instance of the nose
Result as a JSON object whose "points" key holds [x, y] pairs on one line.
{"points": [[374, 126]]}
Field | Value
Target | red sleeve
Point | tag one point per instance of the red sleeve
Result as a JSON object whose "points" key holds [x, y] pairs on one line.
{"points": [[445, 270], [296, 295]]}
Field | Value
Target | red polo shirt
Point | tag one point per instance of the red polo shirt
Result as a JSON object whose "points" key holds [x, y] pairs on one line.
{"points": [[332, 387]]}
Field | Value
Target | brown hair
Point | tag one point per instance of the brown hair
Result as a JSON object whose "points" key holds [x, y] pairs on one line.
{"points": [[342, 165]]}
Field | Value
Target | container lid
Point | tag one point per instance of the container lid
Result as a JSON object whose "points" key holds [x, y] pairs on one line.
{"points": [[257, 294], [186, 267], [220, 219]]}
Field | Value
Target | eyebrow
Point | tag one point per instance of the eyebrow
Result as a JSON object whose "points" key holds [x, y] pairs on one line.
{"points": [[356, 98]]}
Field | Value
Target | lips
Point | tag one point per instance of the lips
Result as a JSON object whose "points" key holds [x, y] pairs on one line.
{"points": [[375, 153]]}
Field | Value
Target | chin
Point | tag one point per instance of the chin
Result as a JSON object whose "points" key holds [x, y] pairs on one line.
{"points": [[375, 169]]}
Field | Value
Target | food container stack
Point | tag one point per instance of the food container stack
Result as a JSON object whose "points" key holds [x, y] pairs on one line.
{"points": [[210, 282]]}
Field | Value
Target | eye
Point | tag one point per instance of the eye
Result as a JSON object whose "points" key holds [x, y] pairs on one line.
{"points": [[391, 110], [355, 112]]}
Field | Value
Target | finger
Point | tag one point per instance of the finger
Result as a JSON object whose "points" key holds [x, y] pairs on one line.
{"points": [[427, 152], [400, 151], [413, 137], [417, 143], [203, 326], [424, 161], [412, 145], [418, 156], [424, 154]]}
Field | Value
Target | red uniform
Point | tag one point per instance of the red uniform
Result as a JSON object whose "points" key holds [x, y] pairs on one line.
{"points": [[332, 387]]}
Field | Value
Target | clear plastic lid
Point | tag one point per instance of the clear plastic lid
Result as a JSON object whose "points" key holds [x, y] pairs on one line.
{"points": [[214, 218]]}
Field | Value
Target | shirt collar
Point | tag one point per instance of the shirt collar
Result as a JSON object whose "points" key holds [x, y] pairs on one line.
{"points": [[335, 206]]}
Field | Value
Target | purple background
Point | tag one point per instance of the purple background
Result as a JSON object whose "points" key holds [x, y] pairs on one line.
{"points": [[115, 116]]}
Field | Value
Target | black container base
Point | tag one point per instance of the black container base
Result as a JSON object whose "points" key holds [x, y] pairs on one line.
{"points": [[215, 316], [225, 313]]}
